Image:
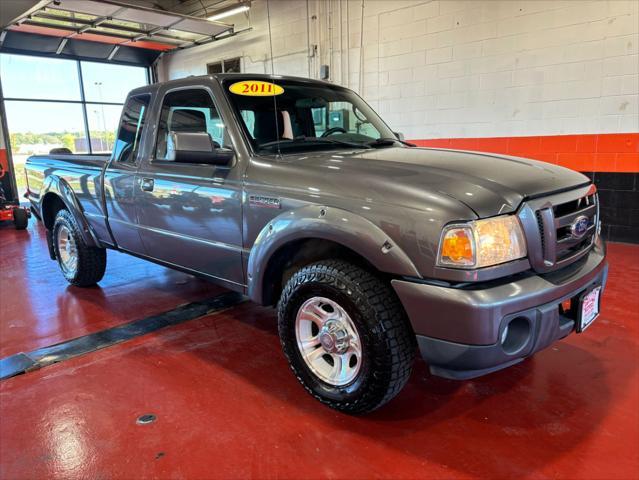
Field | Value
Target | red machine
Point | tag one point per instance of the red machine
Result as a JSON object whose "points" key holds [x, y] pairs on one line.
{"points": [[10, 209]]}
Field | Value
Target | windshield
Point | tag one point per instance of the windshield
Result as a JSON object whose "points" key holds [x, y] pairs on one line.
{"points": [[295, 115]]}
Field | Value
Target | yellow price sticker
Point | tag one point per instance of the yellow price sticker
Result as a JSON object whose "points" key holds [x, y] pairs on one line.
{"points": [[256, 88]]}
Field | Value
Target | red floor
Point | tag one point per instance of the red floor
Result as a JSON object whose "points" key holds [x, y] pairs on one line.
{"points": [[39, 308], [228, 407]]}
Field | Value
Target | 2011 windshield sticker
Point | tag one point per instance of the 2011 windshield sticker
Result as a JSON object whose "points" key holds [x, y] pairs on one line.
{"points": [[256, 88]]}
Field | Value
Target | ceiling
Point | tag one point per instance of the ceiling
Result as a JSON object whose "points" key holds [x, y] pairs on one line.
{"points": [[196, 8], [133, 32]]}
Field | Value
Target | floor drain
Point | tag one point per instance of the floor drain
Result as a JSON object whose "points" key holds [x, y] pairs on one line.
{"points": [[146, 418]]}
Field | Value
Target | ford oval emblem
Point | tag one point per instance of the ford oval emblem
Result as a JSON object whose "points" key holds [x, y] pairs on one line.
{"points": [[579, 226]]}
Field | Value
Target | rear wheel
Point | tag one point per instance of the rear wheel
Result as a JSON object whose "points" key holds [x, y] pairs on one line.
{"points": [[80, 264], [345, 335], [20, 218]]}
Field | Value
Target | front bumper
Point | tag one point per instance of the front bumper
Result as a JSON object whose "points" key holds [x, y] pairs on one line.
{"points": [[459, 330]]}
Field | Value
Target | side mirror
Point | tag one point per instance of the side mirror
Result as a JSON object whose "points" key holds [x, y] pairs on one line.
{"points": [[196, 147], [399, 135]]}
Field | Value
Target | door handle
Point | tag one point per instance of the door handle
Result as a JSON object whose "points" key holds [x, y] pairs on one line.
{"points": [[146, 184]]}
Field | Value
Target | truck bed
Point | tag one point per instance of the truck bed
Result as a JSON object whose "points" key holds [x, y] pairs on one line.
{"points": [[81, 173]]}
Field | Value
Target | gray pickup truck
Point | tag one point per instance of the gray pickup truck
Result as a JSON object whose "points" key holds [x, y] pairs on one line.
{"points": [[297, 194]]}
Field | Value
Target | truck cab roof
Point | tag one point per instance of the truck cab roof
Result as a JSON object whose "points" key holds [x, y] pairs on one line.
{"points": [[220, 77]]}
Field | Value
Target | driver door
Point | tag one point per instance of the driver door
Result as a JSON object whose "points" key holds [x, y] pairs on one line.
{"points": [[190, 214]]}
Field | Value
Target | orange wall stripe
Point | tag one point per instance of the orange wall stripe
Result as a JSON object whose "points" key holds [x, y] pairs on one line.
{"points": [[609, 152], [91, 37]]}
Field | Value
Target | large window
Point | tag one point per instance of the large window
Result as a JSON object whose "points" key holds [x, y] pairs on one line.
{"points": [[110, 83], [55, 103], [36, 77]]}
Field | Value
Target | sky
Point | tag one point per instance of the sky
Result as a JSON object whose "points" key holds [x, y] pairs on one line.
{"points": [[58, 79]]}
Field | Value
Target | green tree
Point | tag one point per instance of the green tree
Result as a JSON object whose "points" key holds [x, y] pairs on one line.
{"points": [[68, 141]]}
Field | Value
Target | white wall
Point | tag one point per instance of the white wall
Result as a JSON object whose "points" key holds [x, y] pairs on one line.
{"points": [[442, 69], [289, 27]]}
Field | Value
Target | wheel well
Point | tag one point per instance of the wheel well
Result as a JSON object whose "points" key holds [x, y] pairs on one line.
{"points": [[51, 205], [296, 254]]}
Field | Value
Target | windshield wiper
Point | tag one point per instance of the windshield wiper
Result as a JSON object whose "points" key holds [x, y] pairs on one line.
{"points": [[388, 141], [313, 140]]}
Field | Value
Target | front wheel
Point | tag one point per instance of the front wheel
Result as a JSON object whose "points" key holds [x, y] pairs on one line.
{"points": [[81, 264], [345, 336]]}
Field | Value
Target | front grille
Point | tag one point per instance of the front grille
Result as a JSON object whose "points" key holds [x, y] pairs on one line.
{"points": [[560, 228], [569, 243], [540, 224]]}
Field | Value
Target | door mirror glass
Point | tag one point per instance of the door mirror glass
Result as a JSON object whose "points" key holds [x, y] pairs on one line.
{"points": [[196, 147]]}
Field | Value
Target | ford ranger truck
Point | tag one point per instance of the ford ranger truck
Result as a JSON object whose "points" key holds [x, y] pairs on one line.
{"points": [[295, 193]]}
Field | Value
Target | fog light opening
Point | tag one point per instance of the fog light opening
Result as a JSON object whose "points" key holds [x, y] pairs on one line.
{"points": [[515, 335]]}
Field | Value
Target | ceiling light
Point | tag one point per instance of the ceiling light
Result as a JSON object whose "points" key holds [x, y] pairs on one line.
{"points": [[227, 12]]}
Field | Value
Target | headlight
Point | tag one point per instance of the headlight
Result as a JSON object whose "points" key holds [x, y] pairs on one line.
{"points": [[482, 243]]}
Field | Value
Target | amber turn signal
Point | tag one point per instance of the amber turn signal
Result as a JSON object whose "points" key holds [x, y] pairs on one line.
{"points": [[458, 247]]}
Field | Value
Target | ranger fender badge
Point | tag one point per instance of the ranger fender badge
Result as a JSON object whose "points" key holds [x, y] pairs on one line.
{"points": [[267, 202]]}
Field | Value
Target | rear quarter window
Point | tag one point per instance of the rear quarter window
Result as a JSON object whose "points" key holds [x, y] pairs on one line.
{"points": [[131, 128]]}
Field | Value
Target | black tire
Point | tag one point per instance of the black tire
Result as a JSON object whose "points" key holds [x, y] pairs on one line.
{"points": [[20, 218], [91, 261], [387, 341]]}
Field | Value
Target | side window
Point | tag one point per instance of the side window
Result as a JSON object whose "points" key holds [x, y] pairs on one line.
{"points": [[131, 128], [188, 111]]}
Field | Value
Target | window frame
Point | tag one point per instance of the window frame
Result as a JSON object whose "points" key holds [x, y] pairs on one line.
{"points": [[83, 102], [156, 131], [222, 64]]}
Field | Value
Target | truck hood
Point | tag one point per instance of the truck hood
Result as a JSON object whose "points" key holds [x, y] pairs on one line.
{"points": [[488, 184]]}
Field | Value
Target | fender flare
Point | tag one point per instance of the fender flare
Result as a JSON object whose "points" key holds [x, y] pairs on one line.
{"points": [[59, 187], [326, 223]]}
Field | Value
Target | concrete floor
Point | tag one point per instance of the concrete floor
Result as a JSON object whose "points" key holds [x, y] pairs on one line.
{"points": [[227, 405]]}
